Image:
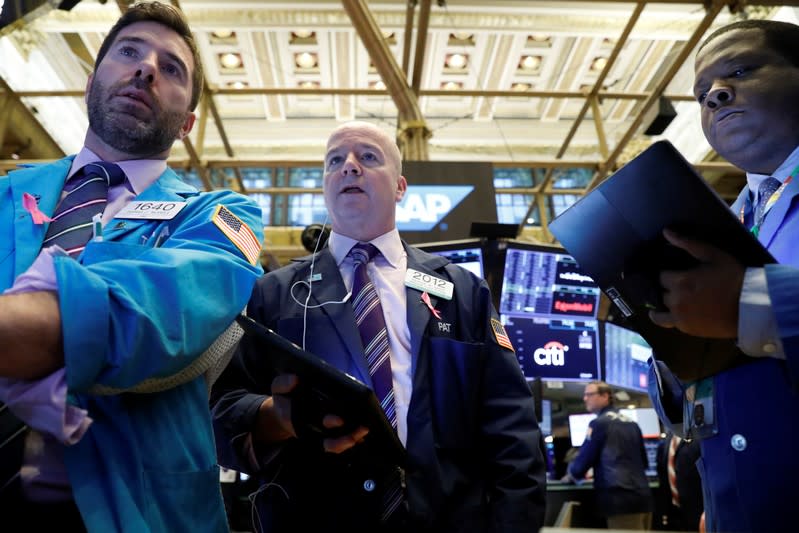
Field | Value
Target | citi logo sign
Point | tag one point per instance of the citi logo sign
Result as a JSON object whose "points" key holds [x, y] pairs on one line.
{"points": [[552, 354], [424, 206]]}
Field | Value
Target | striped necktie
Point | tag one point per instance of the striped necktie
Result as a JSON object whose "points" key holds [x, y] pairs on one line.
{"points": [[372, 327], [86, 196], [671, 470], [764, 191], [374, 336]]}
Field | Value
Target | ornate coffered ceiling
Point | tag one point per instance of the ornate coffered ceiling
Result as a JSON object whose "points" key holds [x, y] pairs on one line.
{"points": [[549, 83]]}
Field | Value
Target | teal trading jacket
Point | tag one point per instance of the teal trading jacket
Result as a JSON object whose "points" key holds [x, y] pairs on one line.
{"points": [[136, 307]]}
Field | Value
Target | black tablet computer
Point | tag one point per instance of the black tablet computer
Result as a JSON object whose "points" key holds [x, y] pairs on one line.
{"points": [[615, 232], [324, 389]]}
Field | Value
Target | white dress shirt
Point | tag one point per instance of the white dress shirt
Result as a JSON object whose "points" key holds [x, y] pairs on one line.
{"points": [[387, 272]]}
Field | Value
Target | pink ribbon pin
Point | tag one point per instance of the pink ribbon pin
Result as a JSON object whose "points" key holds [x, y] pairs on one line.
{"points": [[426, 300], [32, 206]]}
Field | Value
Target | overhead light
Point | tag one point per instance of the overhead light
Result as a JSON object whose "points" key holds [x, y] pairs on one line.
{"points": [[230, 60], [238, 84], [462, 35], [306, 60], [530, 63], [223, 34], [302, 36], [309, 84], [452, 86], [599, 63], [520, 87], [456, 61], [379, 85], [540, 37]]}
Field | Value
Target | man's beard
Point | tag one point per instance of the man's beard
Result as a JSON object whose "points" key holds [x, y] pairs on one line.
{"points": [[128, 133]]}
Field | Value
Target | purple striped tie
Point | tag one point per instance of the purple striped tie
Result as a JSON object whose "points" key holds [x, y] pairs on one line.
{"points": [[372, 327], [374, 336], [86, 196]]}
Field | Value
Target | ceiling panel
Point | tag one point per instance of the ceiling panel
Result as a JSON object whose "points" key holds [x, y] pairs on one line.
{"points": [[519, 73]]}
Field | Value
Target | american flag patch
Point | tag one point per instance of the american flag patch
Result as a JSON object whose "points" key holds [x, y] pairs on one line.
{"points": [[238, 232], [501, 335]]}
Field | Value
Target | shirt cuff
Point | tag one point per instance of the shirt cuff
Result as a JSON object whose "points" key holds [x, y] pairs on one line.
{"points": [[758, 335], [42, 404], [40, 276]]}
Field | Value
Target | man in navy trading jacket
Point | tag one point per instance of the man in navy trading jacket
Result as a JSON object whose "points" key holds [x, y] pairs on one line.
{"points": [[747, 417], [463, 409]]}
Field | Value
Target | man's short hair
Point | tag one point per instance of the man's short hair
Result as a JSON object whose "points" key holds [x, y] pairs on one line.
{"points": [[603, 388], [781, 37], [168, 16]]}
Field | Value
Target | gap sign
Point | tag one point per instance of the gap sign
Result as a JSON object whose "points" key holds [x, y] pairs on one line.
{"points": [[424, 206]]}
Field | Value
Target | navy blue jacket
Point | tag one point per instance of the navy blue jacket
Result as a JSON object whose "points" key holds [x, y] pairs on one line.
{"points": [[615, 449], [749, 465], [474, 455]]}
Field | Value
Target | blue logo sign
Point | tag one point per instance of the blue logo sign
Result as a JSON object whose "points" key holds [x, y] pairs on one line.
{"points": [[424, 206]]}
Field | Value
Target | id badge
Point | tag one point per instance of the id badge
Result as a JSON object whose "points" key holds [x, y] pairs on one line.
{"points": [[699, 410]]}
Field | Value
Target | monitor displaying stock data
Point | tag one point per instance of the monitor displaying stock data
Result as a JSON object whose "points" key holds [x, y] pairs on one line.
{"points": [[549, 309], [466, 253], [626, 356]]}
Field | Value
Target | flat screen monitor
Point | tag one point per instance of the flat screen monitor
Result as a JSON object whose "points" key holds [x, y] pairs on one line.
{"points": [[651, 447], [546, 417], [626, 356], [467, 253], [578, 427], [549, 308], [647, 420]]}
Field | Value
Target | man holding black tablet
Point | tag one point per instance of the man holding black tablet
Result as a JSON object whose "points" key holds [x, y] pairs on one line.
{"points": [[747, 417], [424, 335]]}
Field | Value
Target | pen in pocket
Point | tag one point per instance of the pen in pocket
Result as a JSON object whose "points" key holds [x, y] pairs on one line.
{"points": [[162, 235], [97, 228]]}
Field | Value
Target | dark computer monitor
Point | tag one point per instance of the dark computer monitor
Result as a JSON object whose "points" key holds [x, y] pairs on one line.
{"points": [[651, 446], [626, 356], [467, 253], [549, 309]]}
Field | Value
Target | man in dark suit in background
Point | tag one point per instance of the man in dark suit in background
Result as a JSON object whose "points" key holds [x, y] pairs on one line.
{"points": [[614, 448], [463, 409]]}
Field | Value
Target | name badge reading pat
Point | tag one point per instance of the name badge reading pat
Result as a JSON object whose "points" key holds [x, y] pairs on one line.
{"points": [[430, 284], [151, 210]]}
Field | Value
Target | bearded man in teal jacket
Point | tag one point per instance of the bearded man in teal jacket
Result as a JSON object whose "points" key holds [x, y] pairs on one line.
{"points": [[103, 344]]}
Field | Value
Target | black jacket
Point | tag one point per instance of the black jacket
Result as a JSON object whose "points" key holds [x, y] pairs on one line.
{"points": [[615, 449], [474, 459]]}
